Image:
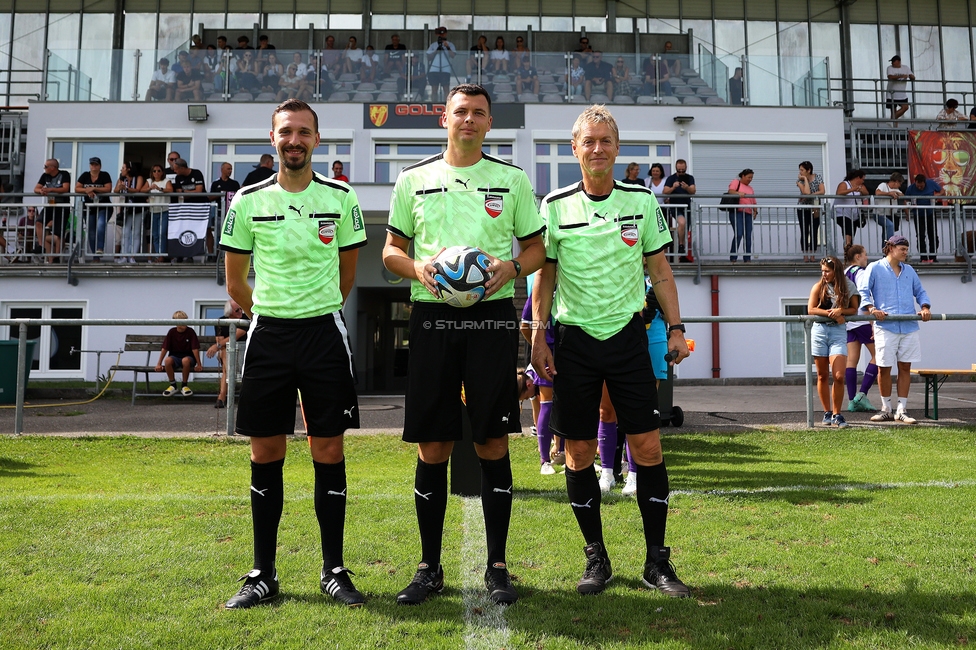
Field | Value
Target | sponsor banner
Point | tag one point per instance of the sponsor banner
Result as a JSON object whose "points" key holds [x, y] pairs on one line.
{"points": [[944, 157], [188, 229], [431, 116]]}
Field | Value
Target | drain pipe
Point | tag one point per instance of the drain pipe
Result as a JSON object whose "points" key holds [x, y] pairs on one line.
{"points": [[716, 350]]}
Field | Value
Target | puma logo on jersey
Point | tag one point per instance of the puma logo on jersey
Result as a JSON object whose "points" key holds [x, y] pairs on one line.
{"points": [[298, 210], [465, 183], [348, 412], [338, 494], [425, 497], [599, 216], [582, 505], [261, 492], [508, 491]]}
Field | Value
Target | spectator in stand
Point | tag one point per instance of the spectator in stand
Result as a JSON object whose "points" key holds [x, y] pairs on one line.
{"points": [[440, 69], [632, 175], [393, 63], [246, 73], [292, 85], [673, 59], [370, 64], [50, 229], [418, 79], [183, 348], [576, 78], [331, 57], [949, 116], [196, 41], [163, 84], [656, 75], [244, 43], [212, 67], [479, 57], [264, 49], [189, 181], [272, 73], [130, 213], [91, 184], [262, 171], [301, 69], [972, 118], [189, 81], [352, 57], [526, 78], [158, 186], [741, 218], [679, 187], [599, 76], [925, 218], [735, 88], [898, 76], [656, 181], [811, 186], [849, 218], [586, 52], [218, 349], [621, 77], [520, 52], [222, 43], [337, 172], [227, 187], [890, 194], [499, 57]]}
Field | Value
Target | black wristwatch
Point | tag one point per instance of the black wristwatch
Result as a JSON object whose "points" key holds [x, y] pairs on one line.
{"points": [[518, 268], [679, 327]]}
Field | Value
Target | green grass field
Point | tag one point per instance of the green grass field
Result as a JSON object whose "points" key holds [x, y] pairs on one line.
{"points": [[856, 538]]}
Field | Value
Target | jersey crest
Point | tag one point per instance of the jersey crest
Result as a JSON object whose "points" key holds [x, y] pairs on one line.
{"points": [[628, 233], [327, 231], [494, 204]]}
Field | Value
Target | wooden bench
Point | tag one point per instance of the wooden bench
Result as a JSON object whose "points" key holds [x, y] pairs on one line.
{"points": [[933, 380], [152, 344]]}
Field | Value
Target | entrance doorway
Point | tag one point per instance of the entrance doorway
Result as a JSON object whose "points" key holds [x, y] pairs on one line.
{"points": [[383, 339]]}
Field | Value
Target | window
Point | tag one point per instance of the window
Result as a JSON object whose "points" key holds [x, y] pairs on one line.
{"points": [[53, 355], [794, 358], [390, 159], [244, 156], [555, 161], [209, 310]]}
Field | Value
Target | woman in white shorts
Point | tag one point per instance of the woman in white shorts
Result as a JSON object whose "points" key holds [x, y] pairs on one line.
{"points": [[833, 296]]}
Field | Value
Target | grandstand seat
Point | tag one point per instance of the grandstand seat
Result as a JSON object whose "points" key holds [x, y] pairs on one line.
{"points": [[684, 90], [643, 100], [339, 97], [715, 101], [546, 89], [692, 99], [387, 97], [528, 98], [366, 86], [242, 97], [670, 99], [505, 98], [348, 76], [552, 99], [501, 77], [623, 99], [265, 97], [207, 87], [215, 97], [503, 88], [389, 87], [706, 91], [597, 98], [578, 99], [362, 97], [696, 82], [689, 72]]}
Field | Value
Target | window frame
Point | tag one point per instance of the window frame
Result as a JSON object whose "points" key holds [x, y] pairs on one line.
{"points": [[43, 349]]}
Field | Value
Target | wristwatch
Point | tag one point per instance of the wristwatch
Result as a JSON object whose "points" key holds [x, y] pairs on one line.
{"points": [[679, 327], [518, 268]]}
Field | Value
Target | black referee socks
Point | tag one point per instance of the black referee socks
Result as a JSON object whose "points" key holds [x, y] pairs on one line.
{"points": [[496, 502], [430, 497], [267, 501], [330, 509], [583, 488], [653, 492]]}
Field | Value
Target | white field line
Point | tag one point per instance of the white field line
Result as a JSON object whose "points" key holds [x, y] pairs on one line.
{"points": [[477, 535], [484, 621]]}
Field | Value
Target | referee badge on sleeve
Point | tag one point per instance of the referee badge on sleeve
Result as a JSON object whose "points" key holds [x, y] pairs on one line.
{"points": [[327, 231], [628, 233]]}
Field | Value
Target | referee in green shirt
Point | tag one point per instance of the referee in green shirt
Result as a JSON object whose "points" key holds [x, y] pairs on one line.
{"points": [[304, 232], [599, 235], [462, 197]]}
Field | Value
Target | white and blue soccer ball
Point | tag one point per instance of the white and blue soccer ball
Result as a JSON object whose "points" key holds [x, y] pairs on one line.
{"points": [[460, 276]]}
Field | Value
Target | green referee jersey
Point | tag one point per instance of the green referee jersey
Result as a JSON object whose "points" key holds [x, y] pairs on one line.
{"points": [[484, 205], [597, 244], [296, 239]]}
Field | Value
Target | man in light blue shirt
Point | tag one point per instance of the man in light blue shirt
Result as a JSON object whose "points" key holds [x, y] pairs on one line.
{"points": [[439, 70], [890, 286]]}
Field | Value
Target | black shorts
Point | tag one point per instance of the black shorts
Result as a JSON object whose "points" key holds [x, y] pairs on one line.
{"points": [[583, 363], [896, 103], [284, 356], [477, 346], [439, 78]]}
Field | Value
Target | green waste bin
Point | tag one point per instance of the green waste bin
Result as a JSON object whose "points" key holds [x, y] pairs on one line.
{"points": [[8, 369]]}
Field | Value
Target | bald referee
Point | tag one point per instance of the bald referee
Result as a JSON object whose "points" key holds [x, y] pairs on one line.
{"points": [[599, 235], [304, 232], [462, 198]]}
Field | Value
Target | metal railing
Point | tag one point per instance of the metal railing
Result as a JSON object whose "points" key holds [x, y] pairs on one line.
{"points": [[868, 96], [231, 361], [774, 231], [23, 323]]}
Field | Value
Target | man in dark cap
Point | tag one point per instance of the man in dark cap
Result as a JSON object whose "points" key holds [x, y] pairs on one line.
{"points": [[263, 170], [439, 72], [898, 76]]}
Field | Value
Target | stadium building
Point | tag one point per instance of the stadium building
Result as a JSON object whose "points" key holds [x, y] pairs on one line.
{"points": [[759, 84]]}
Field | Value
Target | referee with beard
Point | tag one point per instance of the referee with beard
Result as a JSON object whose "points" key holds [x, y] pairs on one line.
{"points": [[304, 232], [599, 235]]}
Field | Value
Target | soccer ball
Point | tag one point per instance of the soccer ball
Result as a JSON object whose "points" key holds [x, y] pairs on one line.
{"points": [[460, 276]]}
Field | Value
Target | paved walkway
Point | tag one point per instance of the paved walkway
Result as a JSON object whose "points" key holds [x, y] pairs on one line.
{"points": [[706, 408]]}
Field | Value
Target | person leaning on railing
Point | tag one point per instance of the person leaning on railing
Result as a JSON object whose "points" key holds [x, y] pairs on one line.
{"points": [[810, 185], [158, 186]]}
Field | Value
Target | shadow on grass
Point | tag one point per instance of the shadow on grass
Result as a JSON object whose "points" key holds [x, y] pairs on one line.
{"points": [[748, 617], [16, 468]]}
